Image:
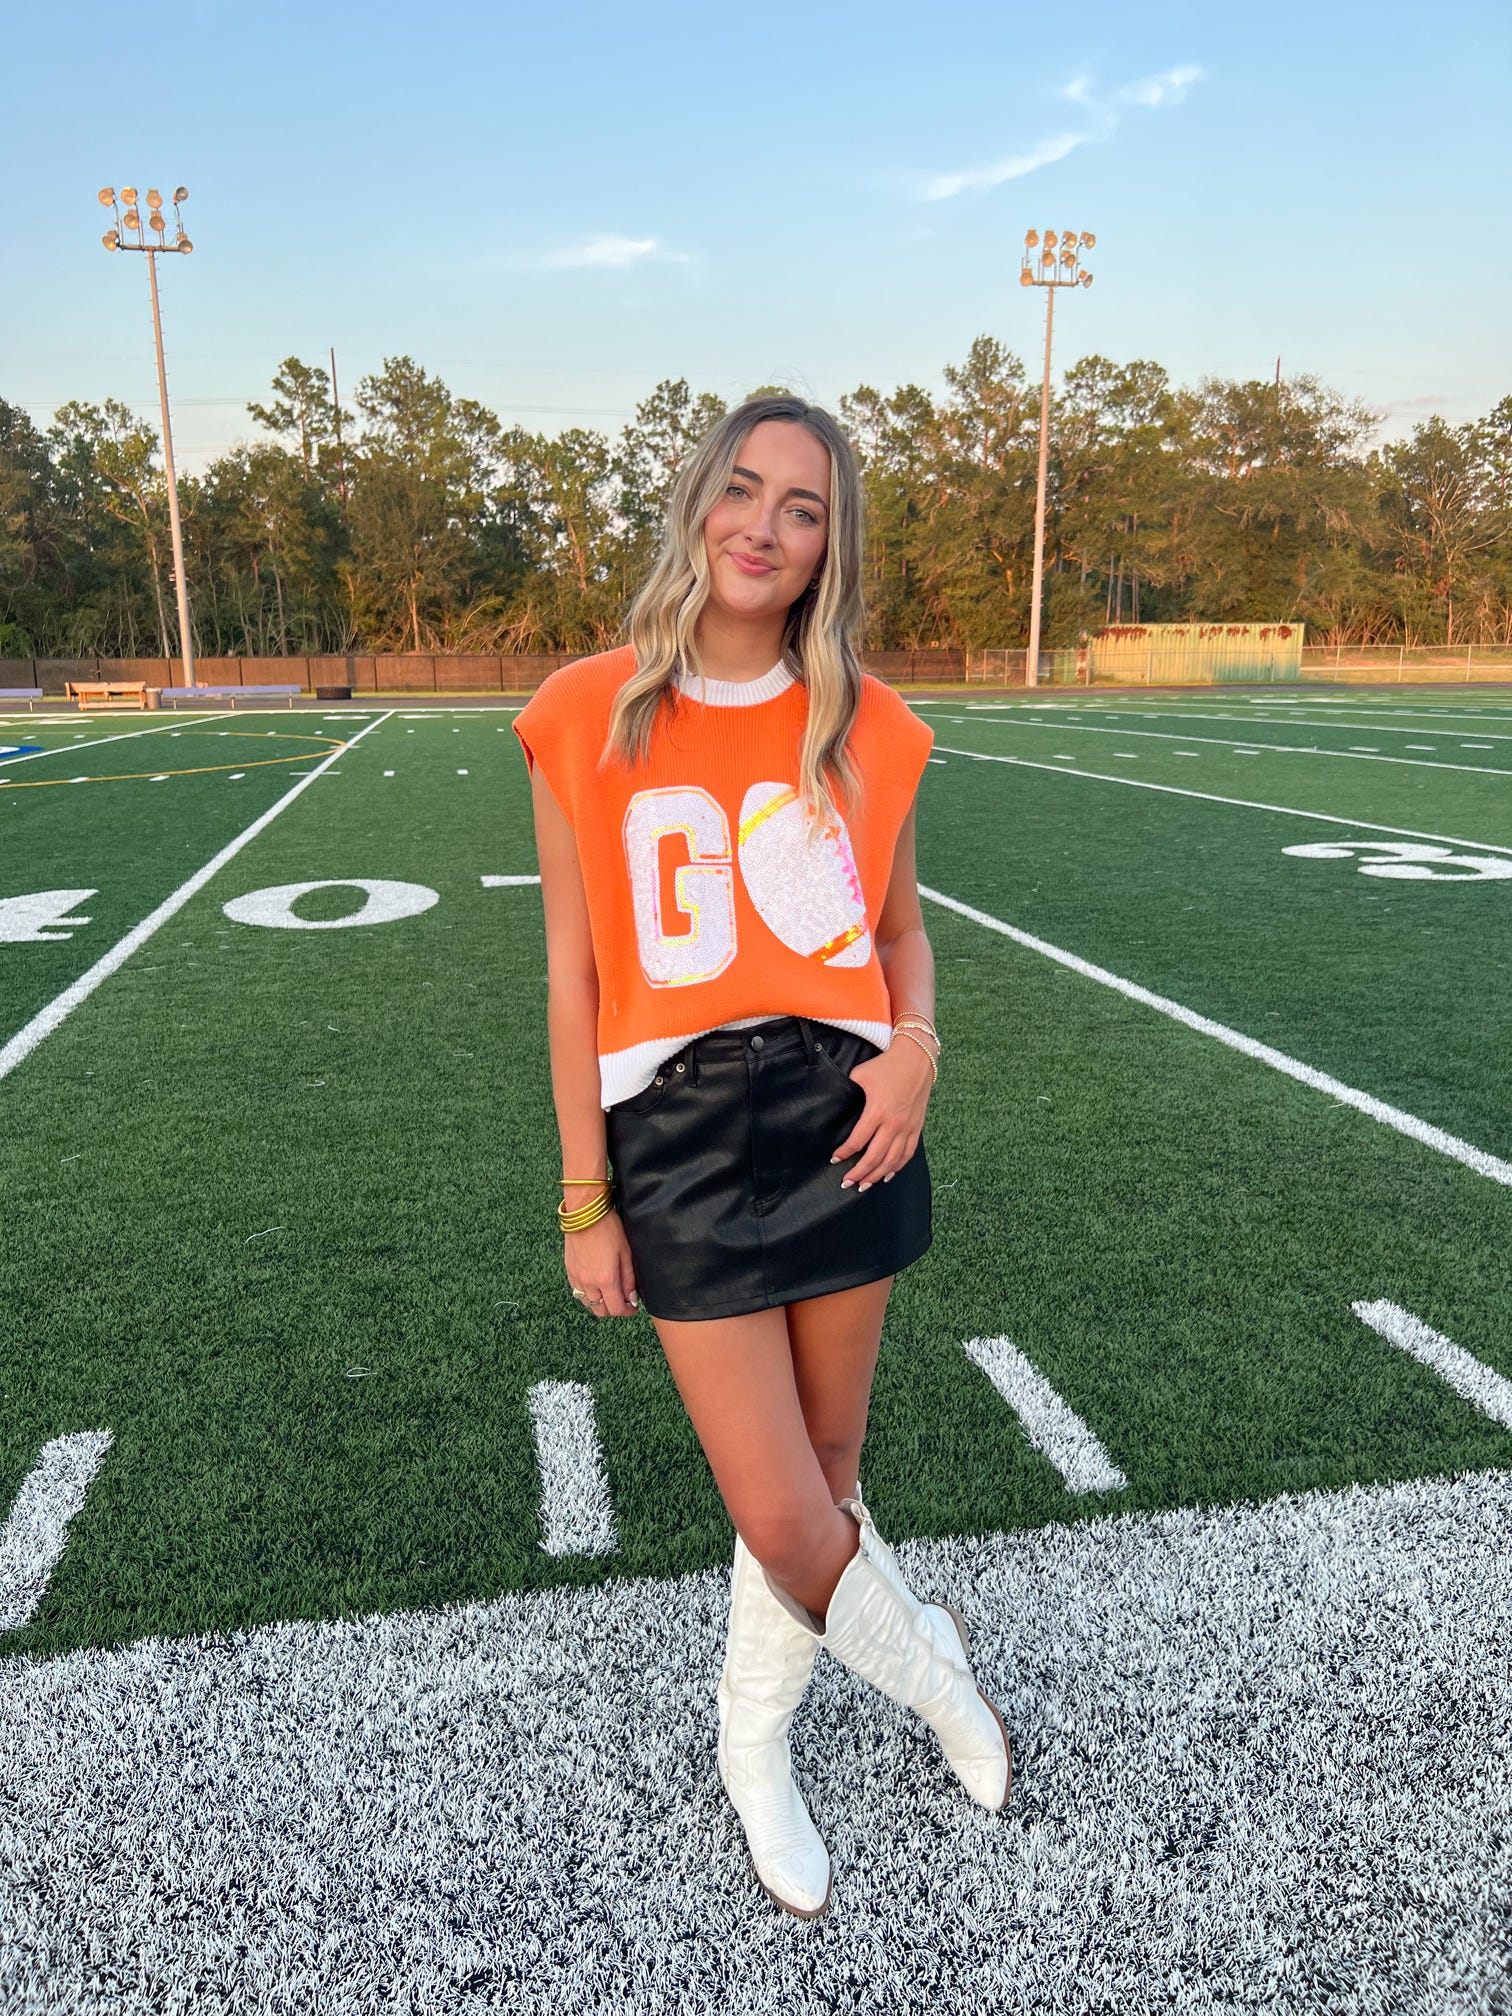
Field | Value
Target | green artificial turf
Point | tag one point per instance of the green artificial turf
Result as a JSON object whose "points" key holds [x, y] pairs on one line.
{"points": [[278, 1204]]}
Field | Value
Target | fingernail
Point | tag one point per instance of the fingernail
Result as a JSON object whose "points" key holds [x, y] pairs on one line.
{"points": [[845, 1182], [888, 1178], [867, 1184], [834, 1158]]}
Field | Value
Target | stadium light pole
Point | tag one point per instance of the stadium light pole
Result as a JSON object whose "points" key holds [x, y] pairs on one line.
{"points": [[130, 235], [1048, 271]]}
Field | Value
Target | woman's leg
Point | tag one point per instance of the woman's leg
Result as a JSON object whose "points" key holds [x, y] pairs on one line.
{"points": [[834, 1340], [735, 1375]]}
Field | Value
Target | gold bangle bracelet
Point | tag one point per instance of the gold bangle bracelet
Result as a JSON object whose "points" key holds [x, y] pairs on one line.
{"points": [[585, 1179], [582, 1225], [586, 1214]]}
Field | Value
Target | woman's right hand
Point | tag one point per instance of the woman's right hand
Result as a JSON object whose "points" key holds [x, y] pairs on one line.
{"points": [[599, 1268]]}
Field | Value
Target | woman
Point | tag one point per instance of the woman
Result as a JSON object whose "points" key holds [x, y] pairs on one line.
{"points": [[740, 1020]]}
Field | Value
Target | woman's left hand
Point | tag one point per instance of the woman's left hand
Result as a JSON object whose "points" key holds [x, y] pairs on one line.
{"points": [[897, 1086]]}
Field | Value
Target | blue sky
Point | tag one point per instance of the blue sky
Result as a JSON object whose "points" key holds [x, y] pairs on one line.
{"points": [[555, 207]]}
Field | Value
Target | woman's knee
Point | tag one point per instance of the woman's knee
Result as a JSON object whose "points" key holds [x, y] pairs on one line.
{"points": [[781, 1538]]}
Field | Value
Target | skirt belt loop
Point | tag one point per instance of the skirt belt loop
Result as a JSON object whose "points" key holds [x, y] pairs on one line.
{"points": [[693, 1063], [806, 1031]]}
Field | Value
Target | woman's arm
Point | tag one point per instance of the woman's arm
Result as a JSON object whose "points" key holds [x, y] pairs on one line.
{"points": [[598, 1258], [897, 1084], [902, 943]]}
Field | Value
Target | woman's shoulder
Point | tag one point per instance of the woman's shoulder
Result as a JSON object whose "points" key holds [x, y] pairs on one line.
{"points": [[882, 707]]}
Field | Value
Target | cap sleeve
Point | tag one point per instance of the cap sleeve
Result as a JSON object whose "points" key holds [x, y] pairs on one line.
{"points": [[915, 740], [544, 725], [906, 736]]}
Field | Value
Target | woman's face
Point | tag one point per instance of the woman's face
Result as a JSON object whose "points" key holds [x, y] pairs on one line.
{"points": [[766, 536]]}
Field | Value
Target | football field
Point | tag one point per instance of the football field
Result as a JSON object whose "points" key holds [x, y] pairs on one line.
{"points": [[363, 1598]]}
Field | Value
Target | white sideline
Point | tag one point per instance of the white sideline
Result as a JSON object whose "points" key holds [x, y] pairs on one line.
{"points": [[577, 1515], [43, 1023], [36, 1532], [1257, 1744], [1471, 1379], [1478, 1159], [1216, 798], [1055, 1429]]}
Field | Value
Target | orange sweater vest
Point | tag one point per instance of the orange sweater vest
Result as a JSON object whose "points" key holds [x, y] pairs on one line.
{"points": [[705, 900]]}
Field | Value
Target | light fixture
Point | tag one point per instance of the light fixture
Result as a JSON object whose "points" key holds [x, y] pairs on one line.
{"points": [[1026, 278], [181, 195], [1049, 239], [1031, 238], [1089, 239], [1085, 278], [130, 235]]}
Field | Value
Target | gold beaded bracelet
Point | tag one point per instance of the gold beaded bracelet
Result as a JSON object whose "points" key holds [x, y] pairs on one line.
{"points": [[934, 1069], [912, 1018]]}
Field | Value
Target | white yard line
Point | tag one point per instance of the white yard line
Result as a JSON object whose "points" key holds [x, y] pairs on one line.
{"points": [[1378, 726], [1244, 745], [1216, 798], [1422, 1131], [577, 1515], [43, 1023], [128, 735], [34, 1536], [1472, 1380], [1055, 1429]]}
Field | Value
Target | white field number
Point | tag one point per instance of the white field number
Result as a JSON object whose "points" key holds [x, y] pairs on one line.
{"points": [[1408, 860]]}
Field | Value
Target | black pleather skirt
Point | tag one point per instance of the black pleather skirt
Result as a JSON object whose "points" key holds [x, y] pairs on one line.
{"points": [[726, 1190]]}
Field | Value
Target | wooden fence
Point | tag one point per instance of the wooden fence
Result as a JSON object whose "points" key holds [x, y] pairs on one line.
{"points": [[410, 672]]}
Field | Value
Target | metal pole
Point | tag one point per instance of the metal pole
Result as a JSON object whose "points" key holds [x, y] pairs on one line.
{"points": [[1031, 668], [186, 641]]}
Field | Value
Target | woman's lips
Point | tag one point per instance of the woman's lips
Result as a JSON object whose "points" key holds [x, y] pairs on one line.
{"points": [[749, 565]]}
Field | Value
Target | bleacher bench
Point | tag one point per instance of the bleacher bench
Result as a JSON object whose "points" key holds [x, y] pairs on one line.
{"points": [[106, 692], [176, 696], [30, 694]]}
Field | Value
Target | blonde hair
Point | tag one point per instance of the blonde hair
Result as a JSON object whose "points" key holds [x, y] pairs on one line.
{"points": [[824, 625]]}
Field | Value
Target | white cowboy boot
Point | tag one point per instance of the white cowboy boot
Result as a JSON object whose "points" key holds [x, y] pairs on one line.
{"points": [[916, 1653], [768, 1659]]}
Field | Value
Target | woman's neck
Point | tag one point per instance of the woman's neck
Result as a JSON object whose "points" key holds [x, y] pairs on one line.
{"points": [[730, 649]]}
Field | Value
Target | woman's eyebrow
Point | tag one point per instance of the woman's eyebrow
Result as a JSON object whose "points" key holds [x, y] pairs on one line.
{"points": [[751, 477]]}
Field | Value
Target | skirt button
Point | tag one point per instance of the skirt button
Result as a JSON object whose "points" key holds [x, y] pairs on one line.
{"points": [[757, 1041]]}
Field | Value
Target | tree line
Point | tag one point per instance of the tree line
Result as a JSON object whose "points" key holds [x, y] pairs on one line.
{"points": [[417, 521]]}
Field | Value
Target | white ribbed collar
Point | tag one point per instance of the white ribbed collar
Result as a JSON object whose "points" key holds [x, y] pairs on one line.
{"points": [[735, 692]]}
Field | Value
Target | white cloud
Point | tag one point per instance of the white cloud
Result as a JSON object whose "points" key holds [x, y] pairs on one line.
{"points": [[609, 249], [1164, 88], [939, 186]]}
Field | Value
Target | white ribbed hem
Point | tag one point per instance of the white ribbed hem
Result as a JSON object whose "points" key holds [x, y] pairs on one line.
{"points": [[734, 692], [622, 1073]]}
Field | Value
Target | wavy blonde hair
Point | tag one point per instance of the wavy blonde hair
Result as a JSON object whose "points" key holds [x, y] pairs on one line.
{"points": [[824, 625]]}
